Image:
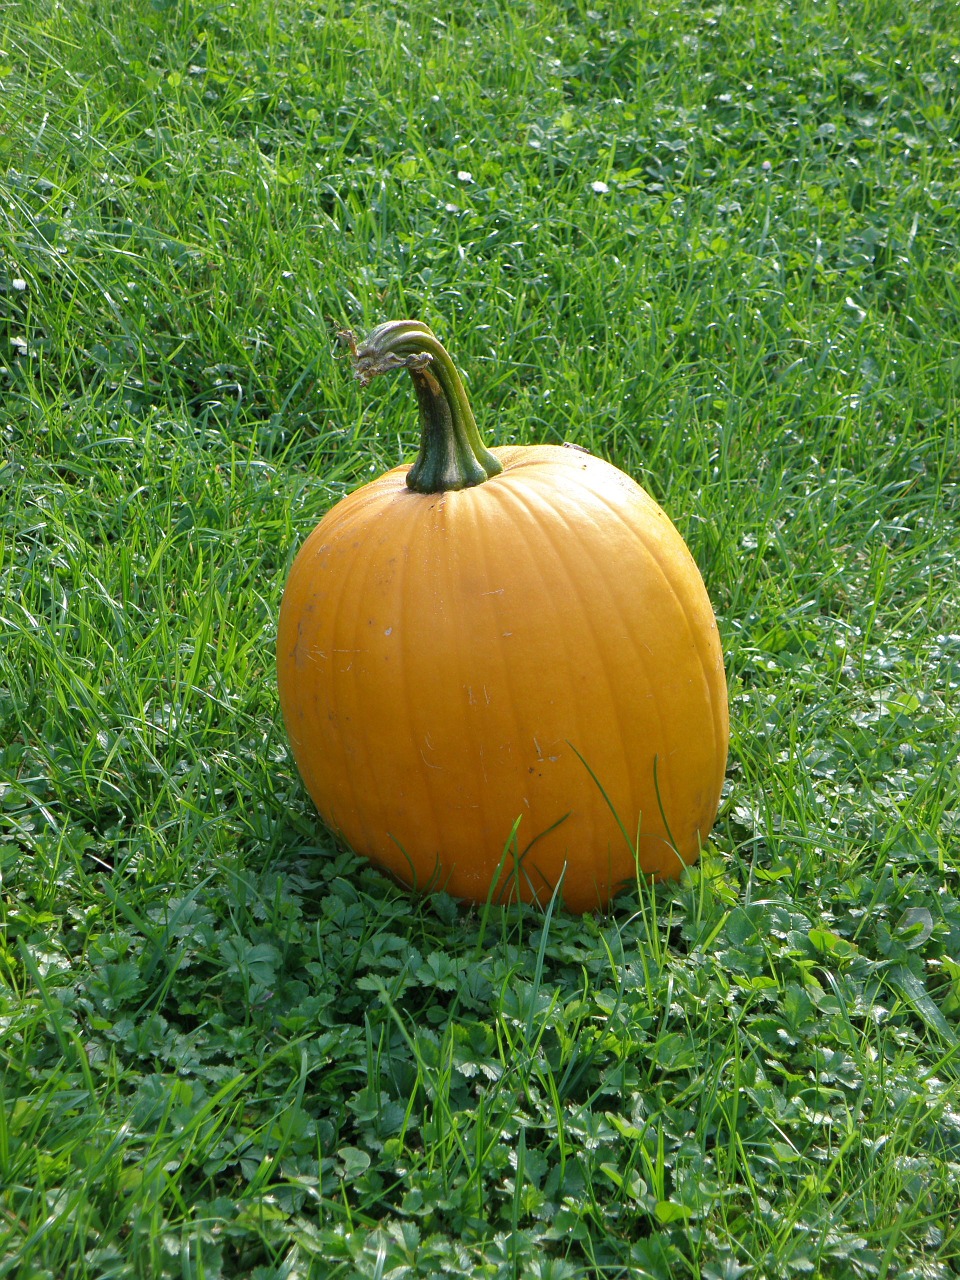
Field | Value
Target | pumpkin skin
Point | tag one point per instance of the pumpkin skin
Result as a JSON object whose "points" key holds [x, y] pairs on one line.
{"points": [[535, 654]]}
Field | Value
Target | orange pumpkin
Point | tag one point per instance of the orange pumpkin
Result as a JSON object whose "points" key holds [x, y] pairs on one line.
{"points": [[499, 669]]}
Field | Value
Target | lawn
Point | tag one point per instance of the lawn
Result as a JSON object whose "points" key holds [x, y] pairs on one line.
{"points": [[716, 244]]}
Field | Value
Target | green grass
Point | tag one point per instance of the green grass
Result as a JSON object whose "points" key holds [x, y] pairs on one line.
{"points": [[227, 1048]]}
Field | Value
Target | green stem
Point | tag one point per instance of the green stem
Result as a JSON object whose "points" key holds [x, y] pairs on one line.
{"points": [[452, 454]]}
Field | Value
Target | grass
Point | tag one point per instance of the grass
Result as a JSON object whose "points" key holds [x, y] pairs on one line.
{"points": [[715, 244]]}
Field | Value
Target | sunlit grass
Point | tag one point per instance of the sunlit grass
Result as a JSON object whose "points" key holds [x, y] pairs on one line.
{"points": [[716, 245]]}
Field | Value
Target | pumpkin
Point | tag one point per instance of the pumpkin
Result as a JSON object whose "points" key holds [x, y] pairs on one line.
{"points": [[498, 669]]}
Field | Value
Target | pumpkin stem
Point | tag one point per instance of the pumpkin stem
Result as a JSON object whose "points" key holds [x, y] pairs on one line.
{"points": [[452, 454]]}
